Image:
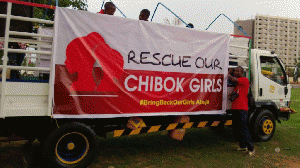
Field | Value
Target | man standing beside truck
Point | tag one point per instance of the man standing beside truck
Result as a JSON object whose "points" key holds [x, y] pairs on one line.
{"points": [[240, 111]]}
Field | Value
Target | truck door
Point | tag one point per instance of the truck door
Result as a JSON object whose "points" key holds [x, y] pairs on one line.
{"points": [[272, 79]]}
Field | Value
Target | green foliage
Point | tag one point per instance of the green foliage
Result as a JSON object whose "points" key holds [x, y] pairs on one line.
{"points": [[290, 72], [29, 64], [75, 4]]}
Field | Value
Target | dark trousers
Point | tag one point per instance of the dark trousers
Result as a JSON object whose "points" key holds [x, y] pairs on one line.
{"points": [[240, 129]]}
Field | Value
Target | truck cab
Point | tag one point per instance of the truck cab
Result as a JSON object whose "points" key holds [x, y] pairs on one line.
{"points": [[269, 91], [270, 79]]}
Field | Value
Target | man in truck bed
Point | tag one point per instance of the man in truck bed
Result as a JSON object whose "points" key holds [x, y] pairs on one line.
{"points": [[109, 9]]}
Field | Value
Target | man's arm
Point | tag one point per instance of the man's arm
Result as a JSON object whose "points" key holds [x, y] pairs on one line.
{"points": [[233, 79]]}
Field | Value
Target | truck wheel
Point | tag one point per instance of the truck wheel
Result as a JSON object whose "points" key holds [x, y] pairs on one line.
{"points": [[72, 145], [263, 126]]}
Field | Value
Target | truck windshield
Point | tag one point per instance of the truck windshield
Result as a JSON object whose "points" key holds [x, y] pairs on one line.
{"points": [[272, 69]]}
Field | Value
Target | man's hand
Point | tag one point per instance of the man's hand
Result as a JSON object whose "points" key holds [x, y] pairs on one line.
{"points": [[233, 79]]}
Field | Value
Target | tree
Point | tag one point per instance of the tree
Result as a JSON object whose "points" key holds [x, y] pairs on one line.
{"points": [[75, 4]]}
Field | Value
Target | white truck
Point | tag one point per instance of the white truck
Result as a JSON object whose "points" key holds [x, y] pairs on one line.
{"points": [[173, 78]]}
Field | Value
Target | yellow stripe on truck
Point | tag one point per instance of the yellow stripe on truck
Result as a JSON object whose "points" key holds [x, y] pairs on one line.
{"points": [[154, 128], [172, 126], [118, 133], [188, 125], [136, 131], [202, 124], [215, 123], [228, 122]]}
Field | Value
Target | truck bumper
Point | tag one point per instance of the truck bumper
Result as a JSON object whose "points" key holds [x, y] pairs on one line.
{"points": [[285, 113]]}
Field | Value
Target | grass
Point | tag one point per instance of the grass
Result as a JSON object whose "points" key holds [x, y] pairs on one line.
{"points": [[199, 148], [203, 148]]}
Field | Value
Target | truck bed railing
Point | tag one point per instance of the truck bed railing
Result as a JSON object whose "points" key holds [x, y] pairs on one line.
{"points": [[35, 41], [235, 46], [235, 56], [230, 21], [241, 47], [169, 11], [21, 18], [29, 41], [241, 54], [26, 68], [28, 34]]}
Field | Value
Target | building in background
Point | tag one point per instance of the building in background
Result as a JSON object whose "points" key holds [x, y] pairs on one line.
{"points": [[274, 34]]}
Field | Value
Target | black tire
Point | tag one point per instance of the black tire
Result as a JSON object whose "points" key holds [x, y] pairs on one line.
{"points": [[263, 126], [73, 145]]}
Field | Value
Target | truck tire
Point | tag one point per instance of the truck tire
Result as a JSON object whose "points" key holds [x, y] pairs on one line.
{"points": [[73, 145], [263, 126]]}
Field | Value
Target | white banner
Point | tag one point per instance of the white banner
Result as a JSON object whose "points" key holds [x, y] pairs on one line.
{"points": [[84, 40]]}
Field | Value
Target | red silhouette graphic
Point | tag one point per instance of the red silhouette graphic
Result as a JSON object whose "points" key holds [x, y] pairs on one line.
{"points": [[81, 55]]}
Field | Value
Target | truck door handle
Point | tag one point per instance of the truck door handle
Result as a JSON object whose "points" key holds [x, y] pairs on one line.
{"points": [[260, 91], [286, 90]]}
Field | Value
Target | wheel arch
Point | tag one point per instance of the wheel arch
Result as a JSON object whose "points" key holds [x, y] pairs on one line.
{"points": [[268, 105]]}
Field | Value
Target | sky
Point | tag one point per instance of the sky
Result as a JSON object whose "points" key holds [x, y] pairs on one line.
{"points": [[202, 13]]}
